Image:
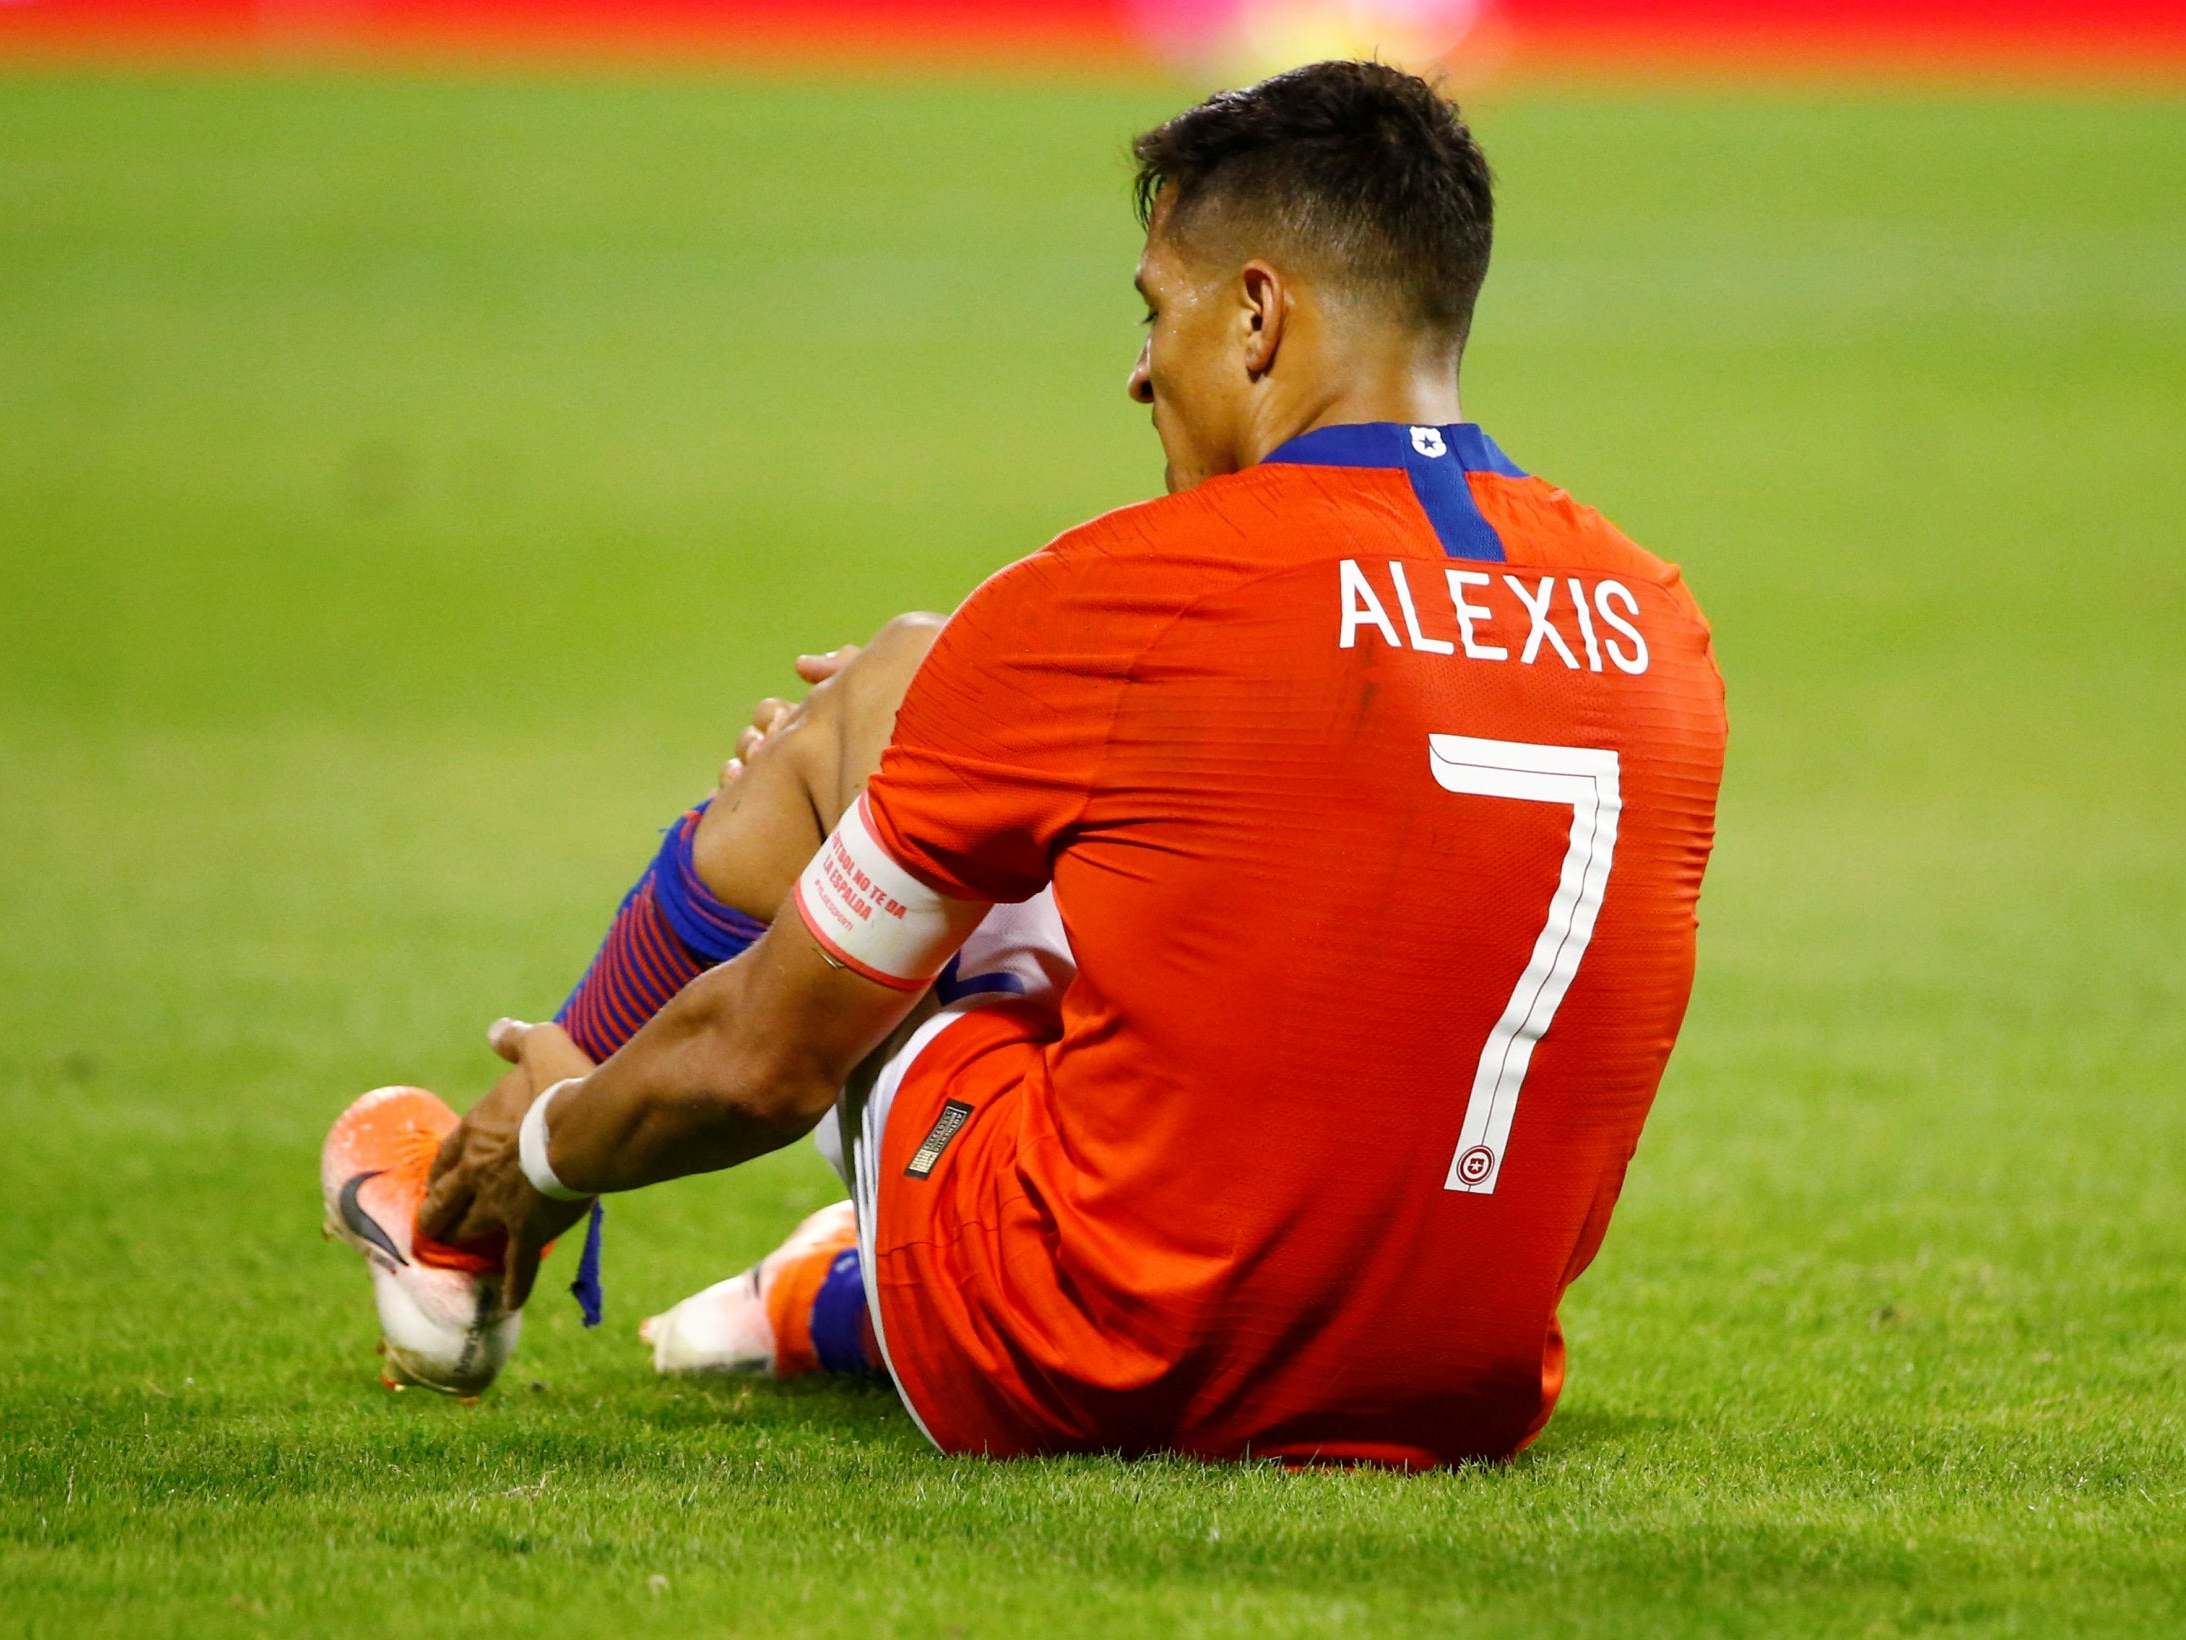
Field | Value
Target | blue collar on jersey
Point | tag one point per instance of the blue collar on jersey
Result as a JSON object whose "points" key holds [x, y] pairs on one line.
{"points": [[1436, 459]]}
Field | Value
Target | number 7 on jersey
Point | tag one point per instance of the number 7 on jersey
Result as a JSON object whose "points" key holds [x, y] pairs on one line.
{"points": [[1585, 780]]}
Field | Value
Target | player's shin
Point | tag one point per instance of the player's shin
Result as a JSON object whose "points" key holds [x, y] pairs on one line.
{"points": [[668, 930]]}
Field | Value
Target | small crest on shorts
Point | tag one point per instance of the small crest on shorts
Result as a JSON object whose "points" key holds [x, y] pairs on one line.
{"points": [[947, 1126]]}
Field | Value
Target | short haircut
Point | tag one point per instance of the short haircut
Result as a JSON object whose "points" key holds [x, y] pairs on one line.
{"points": [[1363, 170]]}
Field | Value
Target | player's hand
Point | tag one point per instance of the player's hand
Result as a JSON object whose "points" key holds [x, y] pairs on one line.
{"points": [[771, 713], [766, 717], [547, 1054], [477, 1192]]}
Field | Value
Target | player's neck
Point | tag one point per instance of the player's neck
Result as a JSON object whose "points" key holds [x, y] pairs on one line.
{"points": [[1421, 391]]}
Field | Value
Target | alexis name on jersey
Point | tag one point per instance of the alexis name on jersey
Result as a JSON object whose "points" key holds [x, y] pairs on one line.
{"points": [[1493, 617]]}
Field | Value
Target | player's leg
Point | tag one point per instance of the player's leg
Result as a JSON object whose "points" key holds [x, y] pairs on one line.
{"points": [[724, 867], [721, 871], [769, 815]]}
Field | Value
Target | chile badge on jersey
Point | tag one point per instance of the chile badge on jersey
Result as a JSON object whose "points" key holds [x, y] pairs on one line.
{"points": [[1375, 784]]}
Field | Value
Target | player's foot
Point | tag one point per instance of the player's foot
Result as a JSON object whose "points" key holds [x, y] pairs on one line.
{"points": [[762, 1320], [441, 1324]]}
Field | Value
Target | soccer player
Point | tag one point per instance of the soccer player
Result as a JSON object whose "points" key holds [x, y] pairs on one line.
{"points": [[1242, 946]]}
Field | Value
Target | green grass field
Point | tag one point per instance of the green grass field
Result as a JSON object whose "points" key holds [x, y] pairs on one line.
{"points": [[406, 482]]}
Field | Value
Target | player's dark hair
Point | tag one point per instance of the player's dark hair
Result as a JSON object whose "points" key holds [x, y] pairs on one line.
{"points": [[1363, 167]]}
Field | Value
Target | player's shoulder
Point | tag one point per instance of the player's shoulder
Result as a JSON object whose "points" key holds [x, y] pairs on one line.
{"points": [[1201, 522], [1545, 524], [1141, 557], [1237, 527]]}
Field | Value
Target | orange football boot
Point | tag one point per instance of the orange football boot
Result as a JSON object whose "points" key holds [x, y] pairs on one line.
{"points": [[758, 1322], [441, 1320]]}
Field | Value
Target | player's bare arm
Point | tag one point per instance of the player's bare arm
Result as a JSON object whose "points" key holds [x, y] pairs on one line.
{"points": [[745, 1060]]}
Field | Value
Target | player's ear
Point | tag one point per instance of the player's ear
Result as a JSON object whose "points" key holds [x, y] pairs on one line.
{"points": [[1264, 302]]}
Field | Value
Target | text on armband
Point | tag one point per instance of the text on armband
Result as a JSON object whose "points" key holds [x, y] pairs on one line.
{"points": [[858, 891]]}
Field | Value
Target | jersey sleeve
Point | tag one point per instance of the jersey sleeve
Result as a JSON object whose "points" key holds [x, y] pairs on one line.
{"points": [[999, 735]]}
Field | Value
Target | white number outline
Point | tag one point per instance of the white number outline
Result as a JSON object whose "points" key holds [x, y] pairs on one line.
{"points": [[1587, 780]]}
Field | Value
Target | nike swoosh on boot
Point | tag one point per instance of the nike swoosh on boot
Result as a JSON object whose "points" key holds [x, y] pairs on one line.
{"points": [[358, 1220]]}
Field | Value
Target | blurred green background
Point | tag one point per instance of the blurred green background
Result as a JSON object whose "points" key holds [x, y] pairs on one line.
{"points": [[406, 482]]}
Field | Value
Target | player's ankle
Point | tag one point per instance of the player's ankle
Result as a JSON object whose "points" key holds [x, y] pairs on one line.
{"points": [[815, 1304]]}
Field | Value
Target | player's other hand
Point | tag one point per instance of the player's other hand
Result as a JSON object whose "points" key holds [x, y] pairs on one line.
{"points": [[773, 712], [766, 717], [477, 1192]]}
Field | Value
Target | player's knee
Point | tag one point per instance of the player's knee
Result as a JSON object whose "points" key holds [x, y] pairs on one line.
{"points": [[883, 670], [905, 639], [835, 737], [875, 680]]}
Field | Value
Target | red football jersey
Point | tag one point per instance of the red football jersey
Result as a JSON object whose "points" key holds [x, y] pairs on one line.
{"points": [[1375, 784]]}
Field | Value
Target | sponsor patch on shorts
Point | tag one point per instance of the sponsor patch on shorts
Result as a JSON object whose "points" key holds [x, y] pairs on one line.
{"points": [[947, 1126]]}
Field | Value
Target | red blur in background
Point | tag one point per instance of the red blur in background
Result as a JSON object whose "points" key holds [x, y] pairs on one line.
{"points": [[2138, 37]]}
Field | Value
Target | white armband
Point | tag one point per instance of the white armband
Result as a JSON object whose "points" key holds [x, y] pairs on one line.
{"points": [[531, 1147], [872, 916]]}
